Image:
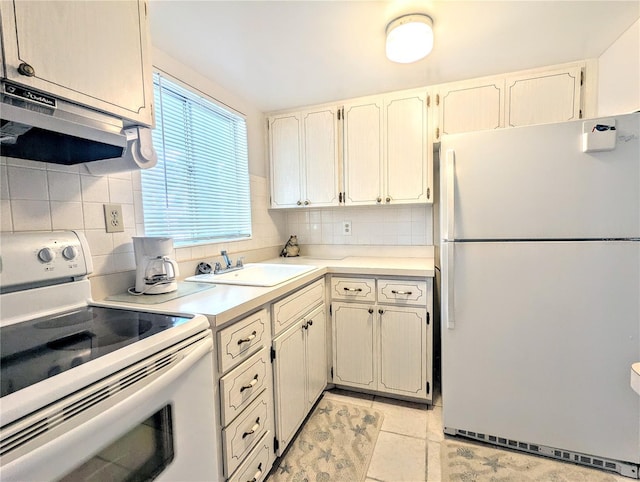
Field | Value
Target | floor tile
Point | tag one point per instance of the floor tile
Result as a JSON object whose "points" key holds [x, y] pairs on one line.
{"points": [[434, 424], [434, 470], [340, 395], [404, 418], [398, 458]]}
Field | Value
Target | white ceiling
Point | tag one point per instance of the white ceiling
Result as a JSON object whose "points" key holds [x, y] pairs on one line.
{"points": [[284, 54]]}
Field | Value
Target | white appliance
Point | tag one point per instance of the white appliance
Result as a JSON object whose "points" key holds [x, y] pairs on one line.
{"points": [[92, 392], [156, 272], [540, 260]]}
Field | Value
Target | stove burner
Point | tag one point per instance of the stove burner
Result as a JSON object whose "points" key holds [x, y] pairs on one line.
{"points": [[35, 350], [66, 319]]}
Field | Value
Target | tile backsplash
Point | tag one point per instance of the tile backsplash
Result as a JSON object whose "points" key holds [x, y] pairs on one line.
{"points": [[37, 196], [402, 225]]}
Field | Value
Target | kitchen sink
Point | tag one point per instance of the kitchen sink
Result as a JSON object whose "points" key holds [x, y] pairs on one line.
{"points": [[255, 274]]}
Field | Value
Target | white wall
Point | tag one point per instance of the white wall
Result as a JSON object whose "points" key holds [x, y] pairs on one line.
{"points": [[619, 74], [37, 196]]}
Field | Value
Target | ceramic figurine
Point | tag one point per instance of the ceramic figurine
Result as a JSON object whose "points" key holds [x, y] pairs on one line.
{"points": [[291, 249]]}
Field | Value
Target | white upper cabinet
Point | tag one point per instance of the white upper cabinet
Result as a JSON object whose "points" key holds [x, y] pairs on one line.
{"points": [[304, 158], [407, 153], [544, 97], [363, 152], [386, 150], [92, 53], [286, 165], [470, 106], [552, 94]]}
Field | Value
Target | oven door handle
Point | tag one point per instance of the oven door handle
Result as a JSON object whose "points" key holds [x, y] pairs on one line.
{"points": [[44, 462]]}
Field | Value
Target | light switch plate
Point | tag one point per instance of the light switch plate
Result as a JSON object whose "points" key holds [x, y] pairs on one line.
{"points": [[113, 218]]}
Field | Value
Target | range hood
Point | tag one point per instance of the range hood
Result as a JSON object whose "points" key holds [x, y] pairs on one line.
{"points": [[41, 127]]}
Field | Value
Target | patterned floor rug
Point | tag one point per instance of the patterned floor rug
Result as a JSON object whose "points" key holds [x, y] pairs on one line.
{"points": [[465, 462], [335, 444]]}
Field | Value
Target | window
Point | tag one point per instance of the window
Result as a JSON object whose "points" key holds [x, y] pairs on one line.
{"points": [[199, 190]]}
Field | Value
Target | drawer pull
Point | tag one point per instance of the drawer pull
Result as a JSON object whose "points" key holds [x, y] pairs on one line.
{"points": [[352, 289], [247, 339], [251, 384], [401, 292], [253, 429], [257, 475]]}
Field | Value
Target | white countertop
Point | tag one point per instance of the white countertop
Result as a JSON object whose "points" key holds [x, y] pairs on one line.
{"points": [[223, 303]]}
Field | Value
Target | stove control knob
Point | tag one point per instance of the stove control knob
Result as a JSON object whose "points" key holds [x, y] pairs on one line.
{"points": [[70, 252], [46, 255]]}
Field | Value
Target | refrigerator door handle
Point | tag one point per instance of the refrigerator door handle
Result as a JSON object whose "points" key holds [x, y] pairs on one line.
{"points": [[448, 270], [450, 186]]}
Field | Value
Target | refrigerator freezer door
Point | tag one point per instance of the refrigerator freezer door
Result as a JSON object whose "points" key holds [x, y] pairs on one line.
{"points": [[543, 339], [536, 183]]}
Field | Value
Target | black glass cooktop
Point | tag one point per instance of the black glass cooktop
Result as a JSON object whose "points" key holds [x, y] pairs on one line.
{"points": [[38, 349]]}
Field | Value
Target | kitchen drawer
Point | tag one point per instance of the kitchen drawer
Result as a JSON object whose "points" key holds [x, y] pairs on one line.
{"points": [[403, 292], [243, 384], [239, 438], [240, 340], [356, 289], [258, 463], [291, 308]]}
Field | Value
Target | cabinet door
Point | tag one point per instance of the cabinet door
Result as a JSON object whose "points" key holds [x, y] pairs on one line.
{"points": [[289, 372], [320, 151], [363, 152], [470, 106], [544, 97], [316, 333], [354, 335], [286, 165], [83, 51], [403, 351], [407, 175]]}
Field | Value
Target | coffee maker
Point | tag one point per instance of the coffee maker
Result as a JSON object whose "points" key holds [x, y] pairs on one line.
{"points": [[156, 272]]}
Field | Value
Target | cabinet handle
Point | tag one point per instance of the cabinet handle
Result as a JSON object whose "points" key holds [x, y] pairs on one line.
{"points": [[247, 339], [306, 203], [26, 69], [251, 384], [388, 199], [401, 292], [352, 289], [257, 474], [310, 322], [299, 203], [378, 200], [305, 326], [253, 429], [370, 311], [381, 311]]}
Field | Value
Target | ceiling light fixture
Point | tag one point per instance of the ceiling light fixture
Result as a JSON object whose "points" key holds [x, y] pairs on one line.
{"points": [[409, 38]]}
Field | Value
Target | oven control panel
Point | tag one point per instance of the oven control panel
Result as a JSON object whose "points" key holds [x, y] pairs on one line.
{"points": [[32, 259]]}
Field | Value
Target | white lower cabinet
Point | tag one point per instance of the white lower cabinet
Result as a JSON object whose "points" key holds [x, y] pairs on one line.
{"points": [[300, 372], [246, 397], [384, 345]]}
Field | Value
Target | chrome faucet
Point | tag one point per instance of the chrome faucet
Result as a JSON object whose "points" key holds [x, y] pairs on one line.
{"points": [[229, 265], [226, 258]]}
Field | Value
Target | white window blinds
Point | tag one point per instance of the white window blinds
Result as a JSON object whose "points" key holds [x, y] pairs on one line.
{"points": [[199, 190]]}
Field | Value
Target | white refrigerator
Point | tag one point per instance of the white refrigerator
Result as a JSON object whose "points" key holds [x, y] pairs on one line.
{"points": [[540, 297]]}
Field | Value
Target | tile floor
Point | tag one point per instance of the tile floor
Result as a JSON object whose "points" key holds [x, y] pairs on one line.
{"points": [[408, 446]]}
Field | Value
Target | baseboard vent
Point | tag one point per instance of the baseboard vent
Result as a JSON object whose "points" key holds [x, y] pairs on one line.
{"points": [[626, 469]]}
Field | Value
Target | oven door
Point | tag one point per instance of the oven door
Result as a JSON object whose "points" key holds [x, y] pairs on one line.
{"points": [[152, 421]]}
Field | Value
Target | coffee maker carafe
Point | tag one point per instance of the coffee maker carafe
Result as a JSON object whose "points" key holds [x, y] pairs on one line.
{"points": [[156, 271]]}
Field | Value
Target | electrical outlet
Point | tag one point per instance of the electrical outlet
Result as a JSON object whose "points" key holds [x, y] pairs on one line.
{"points": [[346, 228], [113, 218]]}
